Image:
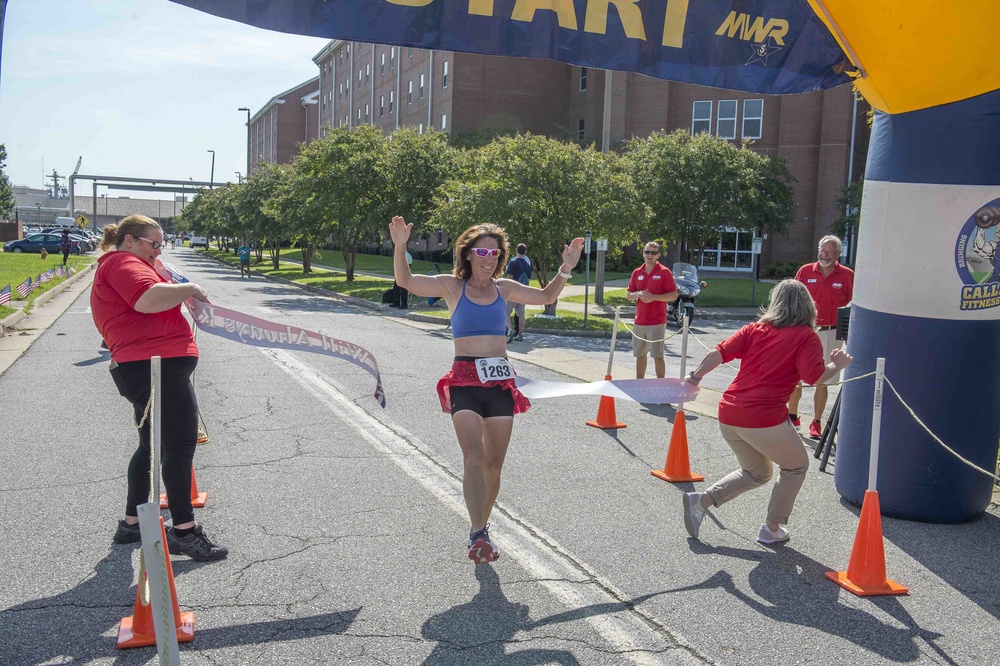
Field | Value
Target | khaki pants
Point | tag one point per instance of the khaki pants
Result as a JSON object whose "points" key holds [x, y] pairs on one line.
{"points": [[755, 449]]}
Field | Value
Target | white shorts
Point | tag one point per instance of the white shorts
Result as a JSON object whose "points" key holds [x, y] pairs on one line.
{"points": [[830, 342]]}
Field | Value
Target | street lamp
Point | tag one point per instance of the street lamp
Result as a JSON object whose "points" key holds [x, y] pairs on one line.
{"points": [[243, 108], [105, 198], [38, 213], [211, 178], [239, 177]]}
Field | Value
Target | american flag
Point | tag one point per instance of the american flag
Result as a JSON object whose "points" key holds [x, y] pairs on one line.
{"points": [[44, 277], [25, 288], [72, 269], [59, 272], [5, 295]]}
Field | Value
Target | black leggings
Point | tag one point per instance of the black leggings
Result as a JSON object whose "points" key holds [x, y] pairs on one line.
{"points": [[65, 254], [179, 433]]}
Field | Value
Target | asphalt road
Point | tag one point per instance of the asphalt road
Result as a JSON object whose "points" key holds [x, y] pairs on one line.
{"points": [[347, 529]]}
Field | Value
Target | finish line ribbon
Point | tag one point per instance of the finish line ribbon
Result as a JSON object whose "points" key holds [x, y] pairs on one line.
{"points": [[257, 332], [651, 391]]}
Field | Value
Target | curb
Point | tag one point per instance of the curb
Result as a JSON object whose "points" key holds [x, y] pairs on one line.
{"points": [[12, 320]]}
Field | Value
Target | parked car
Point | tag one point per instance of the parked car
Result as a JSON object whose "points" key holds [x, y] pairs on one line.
{"points": [[199, 241], [36, 242], [85, 242]]}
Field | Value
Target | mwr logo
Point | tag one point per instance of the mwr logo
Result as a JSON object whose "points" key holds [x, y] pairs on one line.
{"points": [[977, 258], [753, 29]]}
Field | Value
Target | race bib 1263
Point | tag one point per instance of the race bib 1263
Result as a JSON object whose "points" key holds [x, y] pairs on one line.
{"points": [[494, 369]]}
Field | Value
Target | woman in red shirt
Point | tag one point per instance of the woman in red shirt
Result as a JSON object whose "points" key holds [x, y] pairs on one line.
{"points": [[776, 352], [138, 313]]}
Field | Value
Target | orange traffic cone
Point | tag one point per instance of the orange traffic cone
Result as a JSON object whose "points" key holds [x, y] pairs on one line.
{"points": [[197, 499], [677, 467], [137, 629], [606, 418], [865, 575]]}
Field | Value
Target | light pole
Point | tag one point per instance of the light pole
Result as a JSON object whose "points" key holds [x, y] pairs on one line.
{"points": [[239, 177], [211, 178], [38, 214], [105, 198], [243, 108]]}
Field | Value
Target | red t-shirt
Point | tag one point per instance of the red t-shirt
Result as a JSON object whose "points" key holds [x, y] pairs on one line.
{"points": [[659, 281], [120, 280], [828, 293], [773, 360]]}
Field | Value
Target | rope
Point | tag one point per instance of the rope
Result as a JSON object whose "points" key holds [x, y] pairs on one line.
{"points": [[639, 337], [936, 438], [149, 408]]}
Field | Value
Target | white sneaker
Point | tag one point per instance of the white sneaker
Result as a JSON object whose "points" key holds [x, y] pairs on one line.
{"points": [[767, 536], [693, 513]]}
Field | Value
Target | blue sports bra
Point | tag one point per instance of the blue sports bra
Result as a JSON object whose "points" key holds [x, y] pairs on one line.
{"points": [[470, 318]]}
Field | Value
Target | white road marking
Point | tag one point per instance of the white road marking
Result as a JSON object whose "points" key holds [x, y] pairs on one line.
{"points": [[641, 637]]}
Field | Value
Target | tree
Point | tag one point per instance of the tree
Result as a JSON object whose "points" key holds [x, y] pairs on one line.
{"points": [[697, 187], [6, 193], [543, 192], [342, 179], [251, 199], [849, 201], [418, 164]]}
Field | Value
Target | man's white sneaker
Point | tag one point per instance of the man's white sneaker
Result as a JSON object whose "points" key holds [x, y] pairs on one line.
{"points": [[693, 513], [767, 536]]}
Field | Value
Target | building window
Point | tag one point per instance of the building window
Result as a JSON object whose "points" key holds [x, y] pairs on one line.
{"points": [[583, 79], [733, 252], [381, 105], [421, 90], [368, 73], [444, 121], [359, 76], [391, 96], [347, 85], [440, 238], [409, 91], [444, 74], [753, 116], [381, 66], [341, 54], [420, 128], [410, 54], [392, 57], [340, 92], [725, 124], [579, 129], [701, 118], [366, 112]]}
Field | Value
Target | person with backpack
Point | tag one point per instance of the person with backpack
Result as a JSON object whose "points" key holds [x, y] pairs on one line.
{"points": [[519, 269]]}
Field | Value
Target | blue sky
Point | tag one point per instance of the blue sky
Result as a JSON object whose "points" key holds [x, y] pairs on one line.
{"points": [[140, 88]]}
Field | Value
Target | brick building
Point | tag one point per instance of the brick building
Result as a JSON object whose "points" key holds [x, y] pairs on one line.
{"points": [[284, 122], [823, 135]]}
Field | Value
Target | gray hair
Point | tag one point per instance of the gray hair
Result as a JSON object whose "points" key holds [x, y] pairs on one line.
{"points": [[831, 239], [790, 305]]}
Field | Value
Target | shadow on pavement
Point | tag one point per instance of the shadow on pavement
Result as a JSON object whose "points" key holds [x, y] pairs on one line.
{"points": [[481, 630], [93, 608], [790, 587]]}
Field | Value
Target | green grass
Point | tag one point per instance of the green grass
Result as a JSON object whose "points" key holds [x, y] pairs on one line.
{"points": [[15, 267], [720, 293]]}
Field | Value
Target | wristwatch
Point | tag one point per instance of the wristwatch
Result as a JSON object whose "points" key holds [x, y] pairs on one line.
{"points": [[693, 377]]}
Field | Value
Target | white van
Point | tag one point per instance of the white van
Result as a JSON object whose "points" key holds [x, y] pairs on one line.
{"points": [[199, 241], [64, 223]]}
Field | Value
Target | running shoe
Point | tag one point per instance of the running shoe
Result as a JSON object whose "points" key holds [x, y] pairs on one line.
{"points": [[481, 549], [767, 536], [693, 513], [815, 429], [797, 422], [127, 533], [195, 545]]}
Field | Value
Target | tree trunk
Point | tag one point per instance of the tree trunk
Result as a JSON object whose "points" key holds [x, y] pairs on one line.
{"points": [[350, 252], [307, 253], [274, 248]]}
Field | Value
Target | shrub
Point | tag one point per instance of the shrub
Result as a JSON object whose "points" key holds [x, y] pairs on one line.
{"points": [[779, 270]]}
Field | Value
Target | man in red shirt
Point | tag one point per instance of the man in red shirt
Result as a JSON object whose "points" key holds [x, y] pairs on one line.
{"points": [[831, 286], [651, 287]]}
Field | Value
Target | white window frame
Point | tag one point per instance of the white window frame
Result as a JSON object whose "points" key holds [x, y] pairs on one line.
{"points": [[381, 67], [700, 119], [367, 111], [583, 79], [444, 74], [759, 118], [444, 121], [368, 73], [420, 90], [719, 131], [391, 100], [409, 92], [381, 105], [420, 128]]}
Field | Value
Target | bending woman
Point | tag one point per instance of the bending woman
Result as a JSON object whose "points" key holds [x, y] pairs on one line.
{"points": [[777, 351], [479, 391], [138, 314]]}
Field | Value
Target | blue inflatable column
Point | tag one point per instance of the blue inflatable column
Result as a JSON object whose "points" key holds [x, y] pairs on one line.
{"points": [[927, 299]]}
